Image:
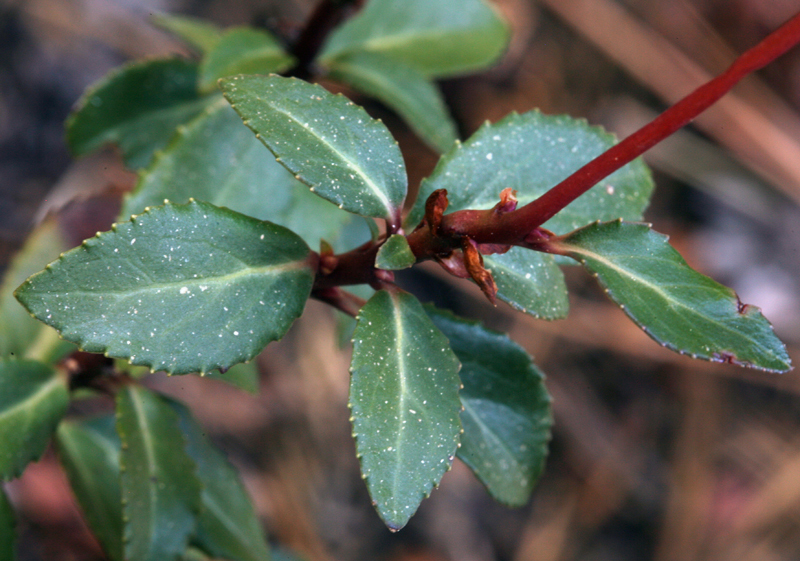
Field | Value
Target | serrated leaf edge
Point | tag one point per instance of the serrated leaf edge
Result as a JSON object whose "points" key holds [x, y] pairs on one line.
{"points": [[667, 344], [432, 485], [153, 368], [298, 174]]}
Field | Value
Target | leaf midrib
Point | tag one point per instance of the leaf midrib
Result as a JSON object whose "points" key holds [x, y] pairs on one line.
{"points": [[654, 288], [407, 38], [372, 186], [31, 400], [149, 449], [401, 366], [221, 514], [487, 432], [271, 270]]}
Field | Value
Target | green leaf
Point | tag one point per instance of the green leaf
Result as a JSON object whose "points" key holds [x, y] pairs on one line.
{"points": [[331, 144], [507, 416], [440, 38], [243, 50], [244, 376], [531, 153], [404, 401], [33, 399], [395, 254], [227, 527], [8, 529], [160, 489], [403, 88], [89, 450], [198, 33], [215, 158], [20, 334], [675, 305], [137, 107], [180, 288], [530, 282]]}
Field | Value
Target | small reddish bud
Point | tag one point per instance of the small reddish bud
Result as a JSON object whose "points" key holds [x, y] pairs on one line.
{"points": [[508, 201], [474, 263], [434, 209], [327, 260]]}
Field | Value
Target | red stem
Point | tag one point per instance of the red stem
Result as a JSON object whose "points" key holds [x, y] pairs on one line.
{"points": [[513, 227], [522, 226]]}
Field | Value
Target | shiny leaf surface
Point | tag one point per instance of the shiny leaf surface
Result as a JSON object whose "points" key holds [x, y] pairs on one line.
{"points": [[395, 254], [531, 153], [674, 304], [507, 416], [403, 88], [404, 401], [530, 282], [180, 288], [216, 159], [328, 142]]}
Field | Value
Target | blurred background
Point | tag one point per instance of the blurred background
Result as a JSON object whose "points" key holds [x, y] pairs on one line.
{"points": [[654, 456]]}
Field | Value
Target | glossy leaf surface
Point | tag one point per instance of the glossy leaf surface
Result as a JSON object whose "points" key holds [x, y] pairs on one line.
{"points": [[529, 281], [216, 159], [198, 33], [33, 399], [160, 489], [331, 144], [89, 451], [675, 305], [531, 153], [243, 50], [507, 416], [395, 254], [404, 401], [21, 334], [180, 288], [227, 526], [440, 38], [403, 88], [8, 528], [137, 107]]}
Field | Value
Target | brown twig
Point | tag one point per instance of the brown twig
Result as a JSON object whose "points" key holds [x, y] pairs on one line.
{"points": [[325, 18]]}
